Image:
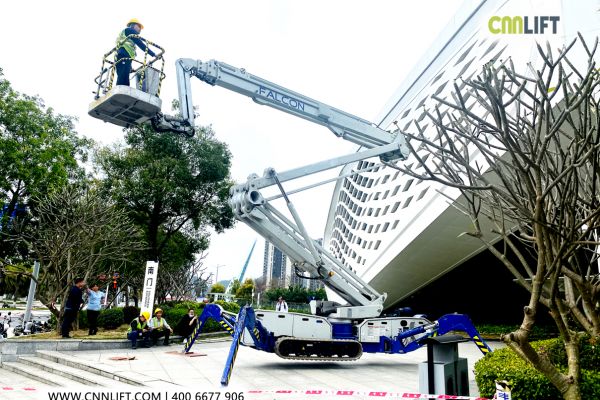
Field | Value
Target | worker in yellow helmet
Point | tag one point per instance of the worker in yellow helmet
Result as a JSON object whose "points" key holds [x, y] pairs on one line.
{"points": [[139, 328], [126, 50], [160, 328]]}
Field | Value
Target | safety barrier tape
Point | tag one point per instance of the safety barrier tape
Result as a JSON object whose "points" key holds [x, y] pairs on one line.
{"points": [[355, 393]]}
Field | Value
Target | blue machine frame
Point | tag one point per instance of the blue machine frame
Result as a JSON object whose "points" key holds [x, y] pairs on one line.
{"points": [[264, 340]]}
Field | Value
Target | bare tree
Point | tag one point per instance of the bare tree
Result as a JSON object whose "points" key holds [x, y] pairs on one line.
{"points": [[523, 149], [78, 234], [182, 281]]}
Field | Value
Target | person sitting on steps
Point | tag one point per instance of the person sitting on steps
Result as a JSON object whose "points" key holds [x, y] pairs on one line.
{"points": [[160, 328], [139, 328]]}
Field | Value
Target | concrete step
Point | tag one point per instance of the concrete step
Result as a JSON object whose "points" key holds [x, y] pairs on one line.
{"points": [[18, 382], [106, 371], [72, 373], [38, 374]]}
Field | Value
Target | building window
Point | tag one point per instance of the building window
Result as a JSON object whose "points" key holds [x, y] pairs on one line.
{"points": [[422, 193]]}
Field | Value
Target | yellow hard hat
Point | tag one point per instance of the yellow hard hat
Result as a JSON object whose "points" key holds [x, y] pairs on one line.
{"points": [[135, 21], [158, 310], [146, 315]]}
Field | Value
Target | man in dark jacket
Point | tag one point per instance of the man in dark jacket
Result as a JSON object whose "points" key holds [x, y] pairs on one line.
{"points": [[126, 50], [187, 324], [74, 302]]}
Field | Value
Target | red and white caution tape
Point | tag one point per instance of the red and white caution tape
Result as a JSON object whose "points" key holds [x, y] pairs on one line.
{"points": [[14, 389], [342, 393]]}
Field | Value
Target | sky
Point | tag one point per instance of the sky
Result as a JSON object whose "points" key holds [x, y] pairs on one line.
{"points": [[351, 55]]}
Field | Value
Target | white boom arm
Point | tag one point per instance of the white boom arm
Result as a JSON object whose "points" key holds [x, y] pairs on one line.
{"points": [[342, 124], [252, 208]]}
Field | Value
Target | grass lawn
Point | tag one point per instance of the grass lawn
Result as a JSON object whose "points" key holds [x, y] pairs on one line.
{"points": [[103, 334]]}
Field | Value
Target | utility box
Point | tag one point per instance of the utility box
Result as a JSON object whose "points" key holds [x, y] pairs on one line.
{"points": [[444, 372], [148, 80]]}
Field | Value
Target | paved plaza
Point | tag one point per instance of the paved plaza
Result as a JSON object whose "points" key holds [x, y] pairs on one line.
{"points": [[164, 368]]}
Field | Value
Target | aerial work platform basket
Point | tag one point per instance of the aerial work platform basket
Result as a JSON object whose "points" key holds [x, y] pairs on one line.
{"points": [[124, 105]]}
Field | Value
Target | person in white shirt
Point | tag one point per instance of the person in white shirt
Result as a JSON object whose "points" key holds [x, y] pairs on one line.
{"points": [[94, 306], [159, 328], [281, 305]]}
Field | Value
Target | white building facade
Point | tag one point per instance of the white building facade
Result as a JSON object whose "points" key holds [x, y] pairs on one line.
{"points": [[400, 233]]}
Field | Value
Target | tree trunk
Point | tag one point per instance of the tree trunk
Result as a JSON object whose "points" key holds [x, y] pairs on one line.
{"points": [[572, 392]]}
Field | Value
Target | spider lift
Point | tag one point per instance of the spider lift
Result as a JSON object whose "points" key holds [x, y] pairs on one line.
{"points": [[334, 332]]}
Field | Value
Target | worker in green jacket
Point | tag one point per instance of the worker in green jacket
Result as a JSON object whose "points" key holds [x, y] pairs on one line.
{"points": [[126, 50], [139, 328]]}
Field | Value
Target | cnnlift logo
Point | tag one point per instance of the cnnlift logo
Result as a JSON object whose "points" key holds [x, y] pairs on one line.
{"points": [[538, 25]]}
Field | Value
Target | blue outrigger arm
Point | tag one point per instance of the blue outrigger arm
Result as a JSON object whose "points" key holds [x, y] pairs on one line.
{"points": [[446, 323], [246, 319]]}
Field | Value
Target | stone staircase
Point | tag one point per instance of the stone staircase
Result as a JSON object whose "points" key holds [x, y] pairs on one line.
{"points": [[57, 369]]}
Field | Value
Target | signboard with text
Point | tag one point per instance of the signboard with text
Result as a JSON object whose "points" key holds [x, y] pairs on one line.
{"points": [[149, 286]]}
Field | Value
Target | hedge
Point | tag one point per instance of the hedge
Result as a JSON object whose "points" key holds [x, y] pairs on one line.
{"points": [[83, 319], [111, 318], [538, 332], [173, 312], [527, 382], [130, 313]]}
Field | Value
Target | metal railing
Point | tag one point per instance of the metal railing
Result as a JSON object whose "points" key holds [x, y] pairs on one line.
{"points": [[106, 78]]}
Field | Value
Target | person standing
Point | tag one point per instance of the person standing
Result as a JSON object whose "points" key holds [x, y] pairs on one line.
{"points": [[139, 328], [281, 305], [187, 324], [74, 302], [159, 328], [93, 309], [126, 50]]}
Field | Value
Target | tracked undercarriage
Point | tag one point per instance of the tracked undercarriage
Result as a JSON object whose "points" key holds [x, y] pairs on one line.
{"points": [[291, 348]]}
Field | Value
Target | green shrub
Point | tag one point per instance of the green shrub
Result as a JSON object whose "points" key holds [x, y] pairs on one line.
{"points": [[111, 318], [527, 382], [227, 306], [173, 312], [130, 313], [53, 321], [173, 316], [538, 332], [82, 319]]}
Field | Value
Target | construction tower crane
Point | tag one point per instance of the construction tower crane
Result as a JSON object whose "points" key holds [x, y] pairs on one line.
{"points": [[242, 272], [334, 331]]}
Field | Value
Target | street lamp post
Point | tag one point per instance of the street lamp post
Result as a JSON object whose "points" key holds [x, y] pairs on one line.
{"points": [[217, 276]]}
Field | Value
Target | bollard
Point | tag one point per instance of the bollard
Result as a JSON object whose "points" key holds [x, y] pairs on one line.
{"points": [[444, 372]]}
